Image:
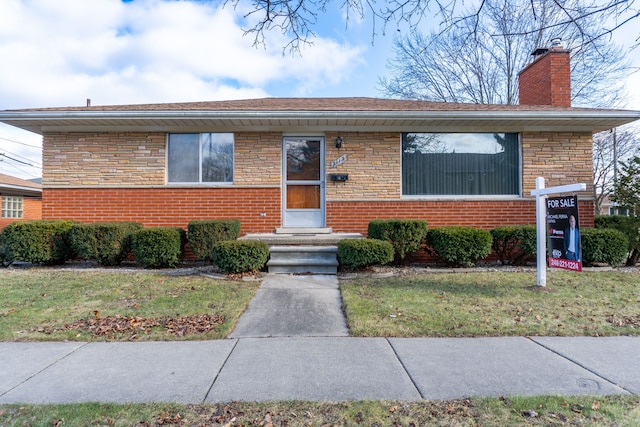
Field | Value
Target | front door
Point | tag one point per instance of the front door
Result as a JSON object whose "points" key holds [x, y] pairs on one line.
{"points": [[303, 195]]}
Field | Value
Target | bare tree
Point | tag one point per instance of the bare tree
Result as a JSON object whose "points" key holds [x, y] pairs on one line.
{"points": [[609, 149], [297, 18], [478, 60]]}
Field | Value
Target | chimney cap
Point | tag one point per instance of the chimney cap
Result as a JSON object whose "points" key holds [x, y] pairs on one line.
{"points": [[539, 51], [556, 42]]}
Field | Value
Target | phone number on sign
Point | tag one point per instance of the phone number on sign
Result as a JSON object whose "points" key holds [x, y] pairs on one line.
{"points": [[565, 263]]}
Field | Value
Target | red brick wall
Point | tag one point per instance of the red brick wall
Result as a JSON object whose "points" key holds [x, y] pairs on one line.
{"points": [[32, 208], [547, 80], [178, 206], [166, 206], [487, 214]]}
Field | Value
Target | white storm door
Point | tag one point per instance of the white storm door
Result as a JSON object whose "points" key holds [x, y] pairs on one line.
{"points": [[303, 195]]}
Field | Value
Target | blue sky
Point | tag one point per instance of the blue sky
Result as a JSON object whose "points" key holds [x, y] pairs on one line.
{"points": [[61, 52]]}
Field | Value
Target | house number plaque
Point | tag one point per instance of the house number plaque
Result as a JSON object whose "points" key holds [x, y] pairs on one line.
{"points": [[340, 160]]}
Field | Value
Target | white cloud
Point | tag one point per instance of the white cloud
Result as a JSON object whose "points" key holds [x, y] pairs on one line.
{"points": [[60, 52]]}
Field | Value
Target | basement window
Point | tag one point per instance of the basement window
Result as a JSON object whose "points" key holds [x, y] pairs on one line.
{"points": [[460, 164], [195, 158], [12, 207]]}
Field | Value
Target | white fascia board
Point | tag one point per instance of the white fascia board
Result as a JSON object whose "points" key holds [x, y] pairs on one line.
{"points": [[562, 120]]}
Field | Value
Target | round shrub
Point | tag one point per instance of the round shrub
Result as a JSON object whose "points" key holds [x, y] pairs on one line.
{"points": [[405, 235], [514, 244], [358, 253], [41, 241], [157, 247], [459, 246], [603, 245], [240, 256], [109, 243], [204, 234]]}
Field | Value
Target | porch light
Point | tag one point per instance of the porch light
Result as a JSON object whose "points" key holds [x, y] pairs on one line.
{"points": [[339, 142]]}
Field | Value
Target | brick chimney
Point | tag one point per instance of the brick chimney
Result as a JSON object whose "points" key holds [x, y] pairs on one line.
{"points": [[547, 79]]}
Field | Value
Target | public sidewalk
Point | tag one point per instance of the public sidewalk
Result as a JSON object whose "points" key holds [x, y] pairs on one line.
{"points": [[317, 369], [292, 344]]}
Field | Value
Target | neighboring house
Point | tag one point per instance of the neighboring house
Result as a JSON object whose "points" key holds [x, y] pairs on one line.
{"points": [[328, 162], [609, 207], [21, 199]]}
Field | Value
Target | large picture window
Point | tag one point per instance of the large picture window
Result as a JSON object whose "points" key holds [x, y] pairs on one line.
{"points": [[460, 164], [200, 158]]}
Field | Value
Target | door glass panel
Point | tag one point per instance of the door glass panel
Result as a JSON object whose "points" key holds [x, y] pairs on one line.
{"points": [[303, 197], [303, 160]]}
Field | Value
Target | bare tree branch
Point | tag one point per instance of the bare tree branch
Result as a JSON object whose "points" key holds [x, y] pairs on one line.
{"points": [[296, 19], [451, 67]]}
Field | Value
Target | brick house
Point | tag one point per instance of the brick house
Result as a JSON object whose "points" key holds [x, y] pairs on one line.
{"points": [[320, 162], [20, 199]]}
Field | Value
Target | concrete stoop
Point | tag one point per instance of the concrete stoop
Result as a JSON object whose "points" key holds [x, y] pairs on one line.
{"points": [[303, 259]]}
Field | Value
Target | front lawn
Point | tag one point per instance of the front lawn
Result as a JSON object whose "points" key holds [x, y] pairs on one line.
{"points": [[513, 411], [494, 303], [85, 305]]}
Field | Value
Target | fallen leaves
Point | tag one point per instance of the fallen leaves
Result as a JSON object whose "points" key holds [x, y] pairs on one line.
{"points": [[134, 325], [624, 320]]}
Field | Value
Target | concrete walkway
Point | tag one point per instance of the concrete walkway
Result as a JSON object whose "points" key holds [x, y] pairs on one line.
{"points": [[309, 357], [294, 306]]}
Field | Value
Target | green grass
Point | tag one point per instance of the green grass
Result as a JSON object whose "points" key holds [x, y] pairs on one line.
{"points": [[40, 304], [494, 304], [520, 411], [37, 304]]}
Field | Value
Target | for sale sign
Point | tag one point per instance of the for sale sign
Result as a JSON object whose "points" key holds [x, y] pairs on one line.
{"points": [[565, 250]]}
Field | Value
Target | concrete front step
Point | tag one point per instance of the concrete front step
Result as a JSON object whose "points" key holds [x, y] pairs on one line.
{"points": [[305, 239], [303, 259], [303, 230]]}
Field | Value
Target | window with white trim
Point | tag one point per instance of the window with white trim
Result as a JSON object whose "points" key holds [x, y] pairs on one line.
{"points": [[194, 158], [460, 164], [12, 206]]}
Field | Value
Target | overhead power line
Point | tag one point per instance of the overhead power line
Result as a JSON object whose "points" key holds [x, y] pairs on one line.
{"points": [[20, 159], [21, 143]]}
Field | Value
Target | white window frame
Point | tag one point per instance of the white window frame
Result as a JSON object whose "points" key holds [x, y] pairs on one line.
{"points": [[12, 207], [201, 139]]}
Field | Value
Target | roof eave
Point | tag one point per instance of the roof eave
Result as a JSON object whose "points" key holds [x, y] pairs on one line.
{"points": [[8, 189], [173, 120]]}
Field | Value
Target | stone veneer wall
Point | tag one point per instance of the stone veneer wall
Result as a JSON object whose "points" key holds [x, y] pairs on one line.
{"points": [[103, 159], [560, 157], [373, 164]]}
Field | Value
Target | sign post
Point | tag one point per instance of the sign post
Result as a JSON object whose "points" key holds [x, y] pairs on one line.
{"points": [[541, 194]]}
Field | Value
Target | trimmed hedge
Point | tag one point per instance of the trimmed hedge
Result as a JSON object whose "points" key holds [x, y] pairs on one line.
{"points": [[358, 253], [405, 235], [603, 245], [40, 241], [240, 256], [514, 244], [158, 247], [204, 234], [109, 243], [630, 227], [459, 246]]}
